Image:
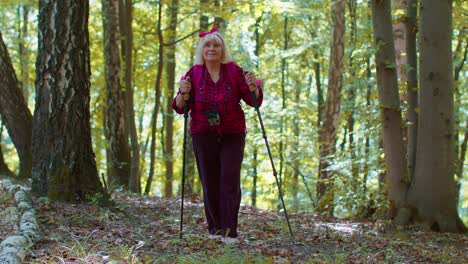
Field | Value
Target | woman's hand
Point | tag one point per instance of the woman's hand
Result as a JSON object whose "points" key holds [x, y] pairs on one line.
{"points": [[184, 89], [252, 83]]}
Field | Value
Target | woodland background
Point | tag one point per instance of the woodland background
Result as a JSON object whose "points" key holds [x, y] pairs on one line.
{"points": [[314, 56]]}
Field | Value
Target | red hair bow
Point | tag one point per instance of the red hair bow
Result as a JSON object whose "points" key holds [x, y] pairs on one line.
{"points": [[201, 35]]}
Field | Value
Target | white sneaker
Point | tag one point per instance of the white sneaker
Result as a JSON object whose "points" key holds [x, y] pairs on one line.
{"points": [[230, 240], [214, 236]]}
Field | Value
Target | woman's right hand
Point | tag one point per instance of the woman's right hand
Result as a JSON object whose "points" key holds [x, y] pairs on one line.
{"points": [[185, 87]]}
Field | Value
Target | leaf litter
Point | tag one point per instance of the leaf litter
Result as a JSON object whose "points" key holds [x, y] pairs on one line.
{"points": [[146, 230]]}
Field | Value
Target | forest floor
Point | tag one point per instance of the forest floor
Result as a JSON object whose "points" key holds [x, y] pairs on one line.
{"points": [[146, 230]]}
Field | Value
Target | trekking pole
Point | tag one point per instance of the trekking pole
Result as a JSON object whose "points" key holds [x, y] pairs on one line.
{"points": [[259, 83], [186, 99]]}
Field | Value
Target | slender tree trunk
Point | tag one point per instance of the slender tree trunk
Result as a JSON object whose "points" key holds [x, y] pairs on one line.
{"points": [[64, 165], [14, 111], [170, 69], [255, 146], [190, 166], [436, 145], [157, 101], [283, 96], [327, 135], [24, 51], [365, 170], [219, 20], [412, 84], [461, 162], [460, 149], [296, 151], [119, 159], [134, 184], [399, 38], [254, 176], [387, 85], [318, 84], [352, 99]]}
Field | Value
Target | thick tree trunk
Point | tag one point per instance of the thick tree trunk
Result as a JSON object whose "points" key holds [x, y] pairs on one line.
{"points": [[64, 165], [118, 158], [387, 85], [328, 130], [435, 157], [170, 69], [157, 101], [134, 184], [412, 85], [14, 111]]}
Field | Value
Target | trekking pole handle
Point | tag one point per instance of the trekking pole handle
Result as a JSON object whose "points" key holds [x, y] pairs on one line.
{"points": [[187, 94], [258, 84]]}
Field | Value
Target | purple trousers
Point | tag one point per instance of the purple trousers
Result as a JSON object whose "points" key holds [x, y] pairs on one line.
{"points": [[219, 160]]}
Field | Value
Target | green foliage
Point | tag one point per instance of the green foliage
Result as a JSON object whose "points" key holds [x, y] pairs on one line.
{"points": [[308, 34]]}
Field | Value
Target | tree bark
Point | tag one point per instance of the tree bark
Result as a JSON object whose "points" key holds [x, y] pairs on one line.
{"points": [[284, 77], [389, 101], [435, 157], [157, 101], [296, 151], [328, 130], [399, 38], [119, 159], [64, 166], [134, 184], [15, 113], [412, 84], [24, 51], [170, 69], [352, 99]]}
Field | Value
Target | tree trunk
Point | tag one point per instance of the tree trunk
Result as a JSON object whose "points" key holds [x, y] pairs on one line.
{"points": [[389, 101], [24, 51], [435, 157], [283, 107], [318, 83], [327, 135], [170, 69], [126, 20], [460, 150], [14, 111], [119, 159], [296, 151], [157, 101], [255, 146], [64, 164], [399, 38], [412, 85], [365, 170], [352, 99]]}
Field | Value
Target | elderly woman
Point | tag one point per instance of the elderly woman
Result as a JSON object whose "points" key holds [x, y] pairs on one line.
{"points": [[216, 86]]}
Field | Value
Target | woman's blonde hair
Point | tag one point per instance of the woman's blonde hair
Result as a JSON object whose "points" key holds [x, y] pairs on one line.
{"points": [[215, 36]]}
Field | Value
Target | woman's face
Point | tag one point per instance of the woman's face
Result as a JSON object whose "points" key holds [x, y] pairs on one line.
{"points": [[212, 51]]}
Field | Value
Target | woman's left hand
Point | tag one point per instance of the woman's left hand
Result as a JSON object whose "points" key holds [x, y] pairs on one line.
{"points": [[251, 81]]}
